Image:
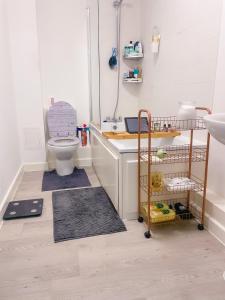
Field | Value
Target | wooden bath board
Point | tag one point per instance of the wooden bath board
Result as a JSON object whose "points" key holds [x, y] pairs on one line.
{"points": [[127, 136]]}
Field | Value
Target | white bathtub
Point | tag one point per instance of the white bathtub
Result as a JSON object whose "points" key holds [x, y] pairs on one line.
{"points": [[131, 146]]}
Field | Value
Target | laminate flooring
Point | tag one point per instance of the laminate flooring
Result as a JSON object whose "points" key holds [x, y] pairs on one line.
{"points": [[179, 262]]}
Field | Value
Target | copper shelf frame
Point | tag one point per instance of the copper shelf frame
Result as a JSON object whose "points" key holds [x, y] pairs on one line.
{"points": [[188, 125]]}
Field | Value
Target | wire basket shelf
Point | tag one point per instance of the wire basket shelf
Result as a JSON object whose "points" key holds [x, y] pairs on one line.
{"points": [[195, 185], [158, 124], [174, 154], [190, 211]]}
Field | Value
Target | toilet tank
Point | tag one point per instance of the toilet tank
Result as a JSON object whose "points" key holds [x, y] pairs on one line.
{"points": [[62, 120]]}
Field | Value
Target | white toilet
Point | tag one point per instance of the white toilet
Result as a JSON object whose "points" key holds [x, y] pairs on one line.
{"points": [[62, 125]]}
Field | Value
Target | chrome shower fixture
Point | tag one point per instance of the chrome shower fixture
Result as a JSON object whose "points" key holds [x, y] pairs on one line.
{"points": [[117, 6], [117, 3]]}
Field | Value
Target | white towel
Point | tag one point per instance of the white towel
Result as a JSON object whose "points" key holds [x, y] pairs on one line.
{"points": [[179, 184]]}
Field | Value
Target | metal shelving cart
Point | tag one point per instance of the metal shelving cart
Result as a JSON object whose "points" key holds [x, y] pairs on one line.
{"points": [[167, 201]]}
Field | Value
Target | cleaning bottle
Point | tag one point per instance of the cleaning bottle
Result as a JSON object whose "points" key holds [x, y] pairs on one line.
{"points": [[84, 135]]}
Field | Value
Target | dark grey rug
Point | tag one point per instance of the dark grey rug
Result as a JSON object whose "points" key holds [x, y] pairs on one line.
{"points": [[23, 209], [83, 213], [52, 181]]}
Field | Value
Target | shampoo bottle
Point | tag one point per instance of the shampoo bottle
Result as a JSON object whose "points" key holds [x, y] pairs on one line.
{"points": [[131, 47]]}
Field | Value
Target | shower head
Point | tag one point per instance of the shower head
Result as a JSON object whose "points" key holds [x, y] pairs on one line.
{"points": [[117, 3]]}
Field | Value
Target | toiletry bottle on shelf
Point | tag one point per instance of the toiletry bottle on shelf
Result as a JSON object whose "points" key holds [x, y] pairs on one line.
{"points": [[156, 127], [126, 50], [131, 74], [140, 48], [131, 47], [125, 75], [139, 72], [84, 135], [136, 72], [136, 47], [165, 128]]}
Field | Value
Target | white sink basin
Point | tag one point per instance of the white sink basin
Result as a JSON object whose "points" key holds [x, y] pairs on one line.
{"points": [[216, 125]]}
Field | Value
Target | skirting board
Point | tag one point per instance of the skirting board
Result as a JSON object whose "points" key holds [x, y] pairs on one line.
{"points": [[213, 227], [35, 167], [11, 192], [45, 166]]}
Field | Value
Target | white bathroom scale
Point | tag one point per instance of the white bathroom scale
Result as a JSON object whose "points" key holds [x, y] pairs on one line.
{"points": [[23, 209]]}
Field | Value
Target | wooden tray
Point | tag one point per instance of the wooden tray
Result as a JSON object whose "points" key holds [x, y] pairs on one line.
{"points": [[127, 136]]}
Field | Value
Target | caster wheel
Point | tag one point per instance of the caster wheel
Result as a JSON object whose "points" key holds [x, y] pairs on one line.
{"points": [[200, 227], [147, 235], [140, 220]]}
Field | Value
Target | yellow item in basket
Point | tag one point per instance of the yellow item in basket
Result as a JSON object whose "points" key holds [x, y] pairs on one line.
{"points": [[159, 216], [156, 180]]}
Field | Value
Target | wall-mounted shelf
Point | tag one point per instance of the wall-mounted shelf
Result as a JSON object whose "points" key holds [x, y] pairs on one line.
{"points": [[134, 56], [132, 80], [134, 76]]}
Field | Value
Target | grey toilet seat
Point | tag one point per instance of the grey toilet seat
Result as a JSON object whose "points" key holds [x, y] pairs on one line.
{"points": [[62, 120], [63, 141]]}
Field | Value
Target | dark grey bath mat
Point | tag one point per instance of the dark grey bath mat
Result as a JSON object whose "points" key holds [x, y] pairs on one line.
{"points": [[52, 181], [23, 209], [83, 213]]}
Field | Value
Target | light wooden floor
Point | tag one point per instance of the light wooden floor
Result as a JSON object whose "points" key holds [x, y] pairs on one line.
{"points": [[178, 263]]}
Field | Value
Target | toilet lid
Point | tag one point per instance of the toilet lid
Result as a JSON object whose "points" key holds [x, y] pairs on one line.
{"points": [[63, 141], [62, 120]]}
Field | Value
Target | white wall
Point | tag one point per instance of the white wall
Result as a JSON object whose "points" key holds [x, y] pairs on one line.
{"points": [[48, 47], [93, 59], [9, 151], [62, 33], [185, 68], [26, 78], [217, 150]]}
